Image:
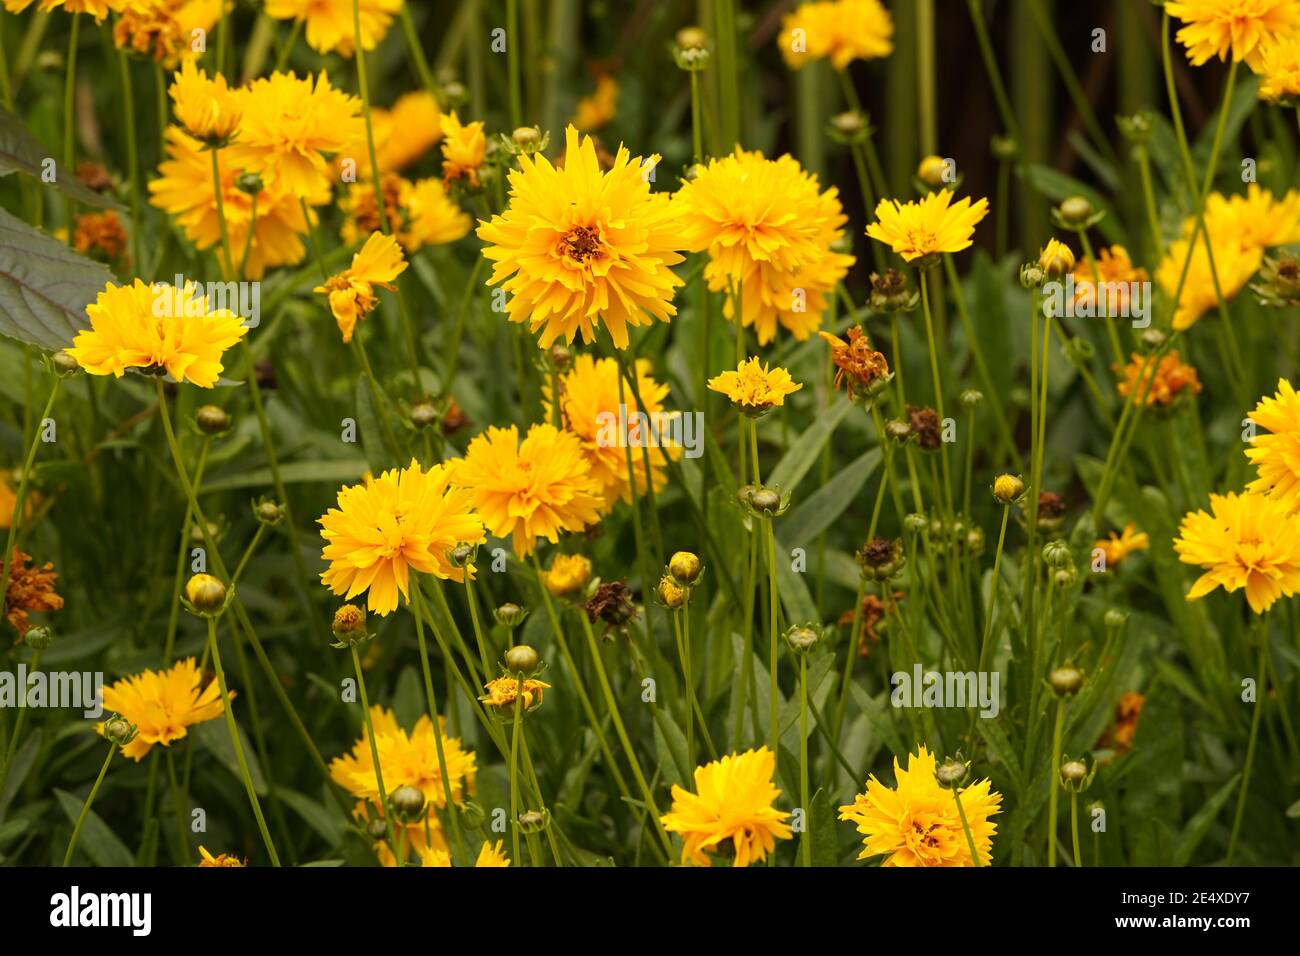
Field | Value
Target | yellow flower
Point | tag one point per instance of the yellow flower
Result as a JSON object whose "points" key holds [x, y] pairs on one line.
{"points": [[406, 760], [402, 134], [9, 500], [1277, 455], [591, 402], [163, 705], [463, 148], [1279, 64], [503, 691], [755, 387], [433, 218], [156, 327], [1115, 270], [164, 29], [1056, 258], [386, 527], [841, 30], [288, 124], [568, 574], [731, 811], [1233, 265], [1256, 220], [489, 855], [207, 108], [1251, 541], [1117, 547], [222, 860], [769, 232], [101, 234], [534, 488], [1240, 28], [577, 246], [927, 226], [98, 9], [330, 24], [185, 190], [917, 823], [1172, 378], [600, 108], [352, 291]]}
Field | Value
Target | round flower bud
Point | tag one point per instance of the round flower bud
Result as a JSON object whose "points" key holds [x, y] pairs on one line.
{"points": [[898, 430], [802, 638], [560, 357], [745, 494], [1065, 681], [38, 638], [349, 624], [765, 500], [522, 660], [1003, 147], [205, 593], [249, 183], [268, 512], [685, 567], [526, 137], [454, 90], [510, 615], [474, 814], [462, 555], [972, 398], [1073, 772], [881, 558], [530, 821], [889, 292], [914, 523], [64, 364], [1075, 209], [951, 773], [377, 830], [1066, 577], [671, 594], [1116, 618], [119, 730], [423, 415], [1032, 275], [975, 541], [407, 803], [1007, 488], [931, 171], [1152, 339], [691, 38], [1057, 554], [849, 124], [1056, 259], [212, 419]]}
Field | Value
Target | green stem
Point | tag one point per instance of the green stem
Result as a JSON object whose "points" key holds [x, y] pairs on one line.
{"points": [[1239, 815], [227, 707], [514, 769], [1054, 780], [69, 109], [20, 499], [218, 193], [384, 808], [965, 827], [85, 808], [513, 37], [806, 842], [1074, 828]]}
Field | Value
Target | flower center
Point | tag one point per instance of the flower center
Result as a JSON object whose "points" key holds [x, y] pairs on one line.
{"points": [[582, 243]]}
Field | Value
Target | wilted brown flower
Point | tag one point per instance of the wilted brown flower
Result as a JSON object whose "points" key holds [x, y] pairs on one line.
{"points": [[1119, 735], [29, 589], [873, 612], [454, 419], [859, 368], [612, 603], [925, 425], [94, 176]]}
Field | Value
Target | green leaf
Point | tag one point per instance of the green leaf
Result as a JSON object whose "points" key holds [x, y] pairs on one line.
{"points": [[1056, 186], [796, 462], [821, 831], [802, 526], [96, 840], [1197, 826], [21, 152], [215, 737], [19, 768], [330, 472], [44, 286], [328, 823]]}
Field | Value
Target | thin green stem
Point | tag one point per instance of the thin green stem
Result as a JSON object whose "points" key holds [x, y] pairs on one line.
{"points": [[85, 807], [384, 808], [806, 842], [965, 828], [1054, 780], [453, 816], [1262, 670]]}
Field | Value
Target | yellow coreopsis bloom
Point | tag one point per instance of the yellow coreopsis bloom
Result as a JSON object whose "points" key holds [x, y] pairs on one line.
{"points": [[503, 691], [165, 29], [1279, 65], [600, 108], [530, 489], [387, 527], [753, 387], [287, 126], [578, 247], [489, 855], [1115, 271], [917, 823], [839, 30], [605, 421], [208, 109], [156, 327], [206, 859], [1240, 29], [1251, 541], [352, 291], [432, 217], [98, 9], [1234, 264], [1171, 379], [568, 574], [330, 26], [163, 705], [184, 188], [464, 147], [1256, 220], [1117, 547], [1056, 258], [1277, 455], [928, 226], [769, 232], [402, 134], [731, 811]]}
